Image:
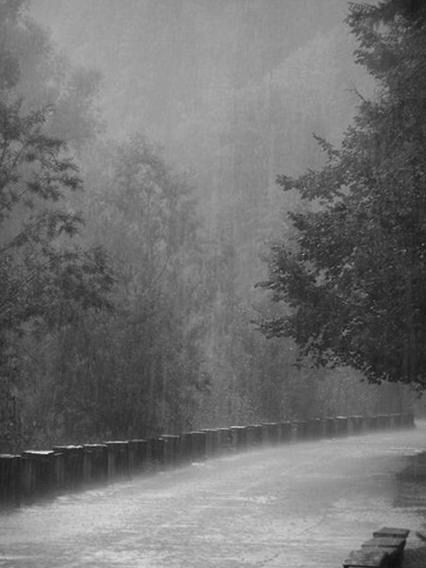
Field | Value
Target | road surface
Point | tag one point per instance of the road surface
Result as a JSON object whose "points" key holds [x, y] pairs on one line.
{"points": [[300, 505]]}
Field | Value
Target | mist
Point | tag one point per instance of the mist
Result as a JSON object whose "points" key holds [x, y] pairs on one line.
{"points": [[178, 115]]}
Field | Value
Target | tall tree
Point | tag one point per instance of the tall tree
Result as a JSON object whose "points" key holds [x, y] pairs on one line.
{"points": [[46, 275], [139, 369], [353, 278]]}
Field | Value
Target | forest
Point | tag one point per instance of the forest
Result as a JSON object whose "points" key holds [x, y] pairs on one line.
{"points": [[154, 276]]}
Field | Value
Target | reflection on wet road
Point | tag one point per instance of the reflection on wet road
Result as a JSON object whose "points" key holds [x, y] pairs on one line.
{"points": [[305, 504]]}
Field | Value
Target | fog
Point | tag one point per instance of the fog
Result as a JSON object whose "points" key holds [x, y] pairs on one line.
{"points": [[178, 115]]}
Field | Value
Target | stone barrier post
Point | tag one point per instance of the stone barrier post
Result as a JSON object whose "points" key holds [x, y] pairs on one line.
{"points": [[199, 445], [265, 434], [294, 431], [393, 420], [72, 465], [358, 424], [274, 432], [10, 490], [225, 438], [285, 431], [270, 432], [234, 437], [341, 425], [310, 429], [216, 440], [210, 449], [351, 425], [257, 434], [323, 427], [299, 428], [38, 473], [186, 446], [59, 467], [138, 455], [87, 464], [379, 422], [95, 462], [243, 437], [239, 437], [409, 420], [314, 428], [319, 427], [156, 449], [118, 458], [171, 449], [195, 446], [330, 426], [251, 435]]}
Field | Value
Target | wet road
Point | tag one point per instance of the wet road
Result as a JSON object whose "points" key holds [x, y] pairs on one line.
{"points": [[300, 505]]}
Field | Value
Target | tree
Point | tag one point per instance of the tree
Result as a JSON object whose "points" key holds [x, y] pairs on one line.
{"points": [[352, 279], [46, 275], [136, 371]]}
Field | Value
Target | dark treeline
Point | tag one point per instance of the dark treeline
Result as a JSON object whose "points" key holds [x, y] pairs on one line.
{"points": [[128, 287]]}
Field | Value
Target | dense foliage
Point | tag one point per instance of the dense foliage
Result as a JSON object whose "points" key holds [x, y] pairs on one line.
{"points": [[126, 284], [46, 275], [354, 276]]}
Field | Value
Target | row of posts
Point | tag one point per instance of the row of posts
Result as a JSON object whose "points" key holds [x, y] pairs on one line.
{"points": [[35, 474]]}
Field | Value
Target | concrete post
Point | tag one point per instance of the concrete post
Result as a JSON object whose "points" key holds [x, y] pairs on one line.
{"points": [[198, 445], [208, 433], [341, 425], [257, 434], [95, 462], [138, 455], [211, 441], [186, 446], [357, 424], [171, 449], [322, 425], [38, 473], [270, 433], [330, 426], [285, 431], [250, 436], [118, 458], [273, 432], [239, 437], [225, 439], [299, 428], [381, 422], [265, 434], [313, 428], [73, 465], [156, 449], [59, 467], [10, 489]]}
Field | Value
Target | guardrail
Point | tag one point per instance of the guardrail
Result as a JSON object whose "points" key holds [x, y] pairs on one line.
{"points": [[36, 474]]}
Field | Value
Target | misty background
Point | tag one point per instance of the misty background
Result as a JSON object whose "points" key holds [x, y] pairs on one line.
{"points": [[180, 114]]}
